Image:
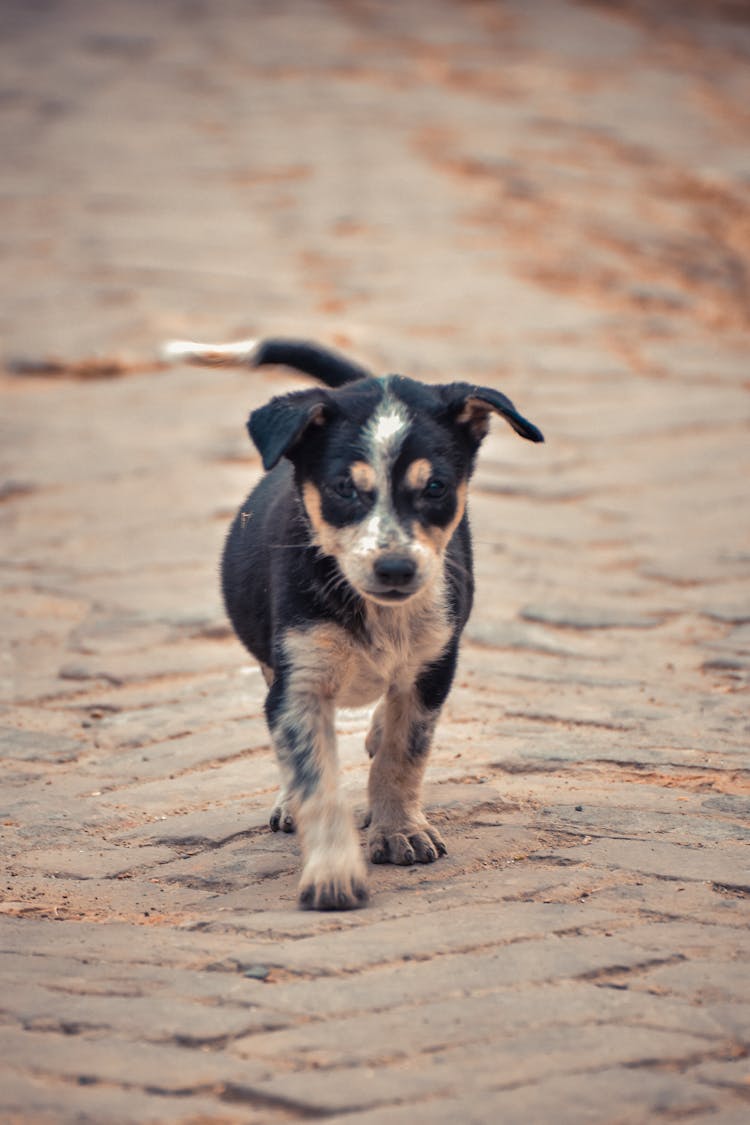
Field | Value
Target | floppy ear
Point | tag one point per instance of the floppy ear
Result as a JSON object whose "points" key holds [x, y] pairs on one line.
{"points": [[471, 407], [278, 426]]}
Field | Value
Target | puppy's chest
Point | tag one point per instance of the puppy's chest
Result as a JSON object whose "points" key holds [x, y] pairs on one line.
{"points": [[396, 649]]}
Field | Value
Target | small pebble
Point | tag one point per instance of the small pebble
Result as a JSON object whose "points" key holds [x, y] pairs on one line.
{"points": [[257, 972]]}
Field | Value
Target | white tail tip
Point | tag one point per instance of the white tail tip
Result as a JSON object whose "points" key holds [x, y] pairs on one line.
{"points": [[209, 355]]}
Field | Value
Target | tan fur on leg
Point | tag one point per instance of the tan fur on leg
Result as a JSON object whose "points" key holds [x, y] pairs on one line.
{"points": [[399, 830]]}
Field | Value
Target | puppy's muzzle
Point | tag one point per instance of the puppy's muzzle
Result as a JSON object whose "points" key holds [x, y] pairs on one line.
{"points": [[395, 577]]}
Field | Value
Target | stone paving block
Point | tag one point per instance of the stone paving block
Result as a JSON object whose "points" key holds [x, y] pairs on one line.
{"points": [[78, 862], [234, 778], [121, 942], [724, 863], [441, 931], [175, 659], [720, 937], [233, 867], [417, 981], [201, 828], [193, 751], [231, 992], [153, 1017], [710, 979], [462, 1019], [47, 1102], [589, 617], [88, 1061], [671, 827], [502, 1061], [733, 1116], [621, 1094], [141, 727], [730, 1074], [662, 901], [37, 746]]}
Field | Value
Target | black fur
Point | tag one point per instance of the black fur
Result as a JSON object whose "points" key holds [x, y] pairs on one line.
{"points": [[331, 368]]}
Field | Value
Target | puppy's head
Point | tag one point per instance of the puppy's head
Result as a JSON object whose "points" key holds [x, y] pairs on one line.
{"points": [[382, 467]]}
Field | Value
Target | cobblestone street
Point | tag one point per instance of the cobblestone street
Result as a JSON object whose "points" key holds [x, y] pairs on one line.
{"points": [[550, 198]]}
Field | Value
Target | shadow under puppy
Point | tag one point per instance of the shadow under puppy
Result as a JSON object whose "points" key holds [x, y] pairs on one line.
{"points": [[348, 575]]}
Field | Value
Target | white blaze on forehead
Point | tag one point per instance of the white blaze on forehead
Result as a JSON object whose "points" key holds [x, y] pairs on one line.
{"points": [[384, 436], [387, 429], [388, 425]]}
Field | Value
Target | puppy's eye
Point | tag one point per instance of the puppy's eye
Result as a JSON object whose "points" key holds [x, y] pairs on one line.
{"points": [[434, 489], [344, 487]]}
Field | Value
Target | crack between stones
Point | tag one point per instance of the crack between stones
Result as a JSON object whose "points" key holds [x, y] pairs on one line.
{"points": [[558, 720]]}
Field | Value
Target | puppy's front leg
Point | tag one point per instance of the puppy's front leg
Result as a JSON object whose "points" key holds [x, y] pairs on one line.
{"points": [[302, 725], [399, 744]]}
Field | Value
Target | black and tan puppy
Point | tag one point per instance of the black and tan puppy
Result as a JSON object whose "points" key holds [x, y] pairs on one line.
{"points": [[348, 575]]}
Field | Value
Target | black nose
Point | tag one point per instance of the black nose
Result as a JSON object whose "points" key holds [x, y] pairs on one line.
{"points": [[395, 570]]}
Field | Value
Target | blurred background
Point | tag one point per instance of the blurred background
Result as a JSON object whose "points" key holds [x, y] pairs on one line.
{"points": [[494, 178]]}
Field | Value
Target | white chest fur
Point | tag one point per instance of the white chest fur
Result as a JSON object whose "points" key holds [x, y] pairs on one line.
{"points": [[326, 660]]}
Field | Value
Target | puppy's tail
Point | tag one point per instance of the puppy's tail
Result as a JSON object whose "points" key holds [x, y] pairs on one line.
{"points": [[327, 366]]}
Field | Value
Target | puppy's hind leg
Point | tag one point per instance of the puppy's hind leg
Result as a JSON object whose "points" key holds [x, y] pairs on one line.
{"points": [[282, 815], [375, 733], [373, 740]]}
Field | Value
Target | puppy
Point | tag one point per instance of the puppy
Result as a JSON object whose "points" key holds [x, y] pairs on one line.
{"points": [[347, 573]]}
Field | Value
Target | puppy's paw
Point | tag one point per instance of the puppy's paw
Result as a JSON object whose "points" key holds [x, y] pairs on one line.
{"points": [[405, 845], [334, 874], [282, 818], [333, 892]]}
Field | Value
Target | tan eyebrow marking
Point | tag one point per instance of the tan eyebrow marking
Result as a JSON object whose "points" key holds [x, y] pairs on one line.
{"points": [[418, 473], [363, 476], [324, 535]]}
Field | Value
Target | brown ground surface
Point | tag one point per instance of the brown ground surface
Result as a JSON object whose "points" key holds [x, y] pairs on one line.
{"points": [[549, 197]]}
